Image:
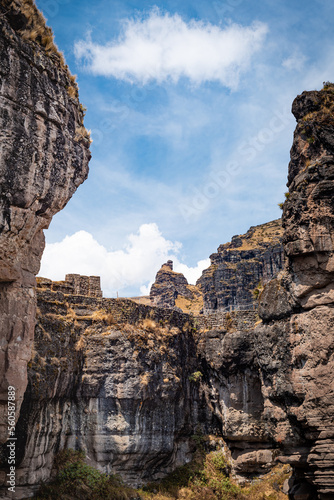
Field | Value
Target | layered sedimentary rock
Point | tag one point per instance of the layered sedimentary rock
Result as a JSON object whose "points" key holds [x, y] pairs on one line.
{"points": [[232, 383], [43, 159], [171, 289], [271, 387], [298, 378], [113, 378], [240, 268]]}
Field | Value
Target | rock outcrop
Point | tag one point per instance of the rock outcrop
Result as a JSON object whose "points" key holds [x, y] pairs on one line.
{"points": [[129, 383], [44, 158], [171, 289], [269, 385], [295, 353], [240, 268], [113, 378]]}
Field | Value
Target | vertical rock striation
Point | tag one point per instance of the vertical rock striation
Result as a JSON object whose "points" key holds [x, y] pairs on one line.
{"points": [[113, 378], [44, 154], [295, 345]]}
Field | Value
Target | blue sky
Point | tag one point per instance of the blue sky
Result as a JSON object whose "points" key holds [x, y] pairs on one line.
{"points": [[189, 107]]}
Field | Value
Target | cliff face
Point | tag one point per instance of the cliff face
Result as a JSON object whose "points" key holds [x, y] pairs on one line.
{"points": [[269, 385], [298, 378], [130, 384], [110, 377], [240, 268], [172, 290], [308, 212], [42, 162], [227, 356]]}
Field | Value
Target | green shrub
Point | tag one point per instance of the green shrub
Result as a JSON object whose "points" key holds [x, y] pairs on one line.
{"points": [[76, 479], [206, 478]]}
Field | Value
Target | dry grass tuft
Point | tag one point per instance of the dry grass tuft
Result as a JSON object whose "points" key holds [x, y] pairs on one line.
{"points": [[97, 316], [149, 325], [102, 315], [35, 28], [72, 91], [81, 133], [79, 346]]}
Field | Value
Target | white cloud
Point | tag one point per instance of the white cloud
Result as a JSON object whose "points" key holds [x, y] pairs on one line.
{"points": [[134, 267], [192, 273], [295, 62], [164, 47]]}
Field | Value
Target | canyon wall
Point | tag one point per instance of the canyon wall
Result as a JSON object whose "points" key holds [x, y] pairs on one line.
{"points": [[131, 384], [44, 154], [297, 308], [269, 383], [113, 378], [240, 269]]}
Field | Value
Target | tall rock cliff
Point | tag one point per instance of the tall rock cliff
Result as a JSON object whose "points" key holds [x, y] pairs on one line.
{"points": [[296, 343], [240, 268], [113, 378], [43, 159]]}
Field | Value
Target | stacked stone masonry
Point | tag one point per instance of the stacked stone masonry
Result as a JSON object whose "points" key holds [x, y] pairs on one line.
{"points": [[74, 284]]}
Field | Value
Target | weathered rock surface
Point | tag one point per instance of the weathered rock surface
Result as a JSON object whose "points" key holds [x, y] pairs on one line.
{"points": [[271, 387], [172, 290], [309, 211], [117, 378], [42, 162], [240, 268], [295, 354], [110, 377], [233, 387]]}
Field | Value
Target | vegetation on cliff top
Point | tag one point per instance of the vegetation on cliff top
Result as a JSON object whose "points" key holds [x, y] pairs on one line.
{"points": [[29, 22], [257, 236]]}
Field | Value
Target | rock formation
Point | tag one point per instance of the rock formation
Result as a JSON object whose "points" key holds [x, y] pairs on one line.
{"points": [[129, 383], [240, 268], [297, 379], [269, 385], [44, 158], [113, 378], [172, 290]]}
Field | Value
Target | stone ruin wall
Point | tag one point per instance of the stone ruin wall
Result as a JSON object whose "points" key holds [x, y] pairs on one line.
{"points": [[74, 284]]}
